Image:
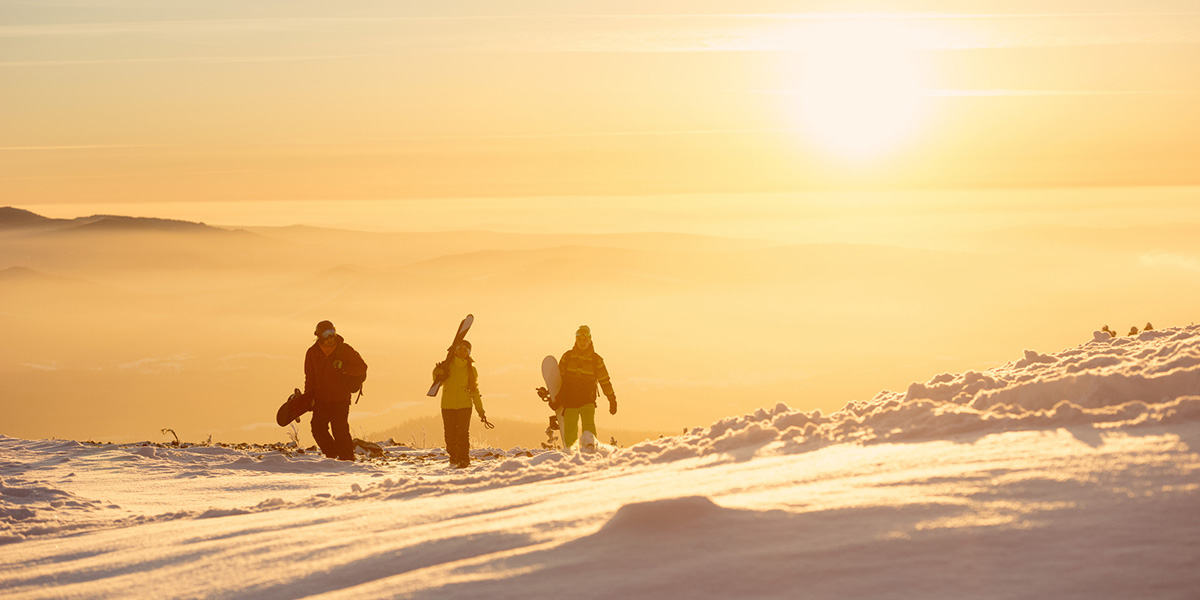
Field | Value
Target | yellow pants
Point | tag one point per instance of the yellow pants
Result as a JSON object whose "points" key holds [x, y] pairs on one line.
{"points": [[570, 423]]}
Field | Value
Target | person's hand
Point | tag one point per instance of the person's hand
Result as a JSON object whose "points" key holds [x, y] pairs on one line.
{"points": [[612, 406], [483, 419], [437, 372]]}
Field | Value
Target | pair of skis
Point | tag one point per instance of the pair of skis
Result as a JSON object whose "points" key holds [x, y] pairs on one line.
{"points": [[463, 327], [458, 338]]}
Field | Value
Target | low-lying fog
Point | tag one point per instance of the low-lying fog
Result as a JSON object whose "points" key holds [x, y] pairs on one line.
{"points": [[116, 328]]}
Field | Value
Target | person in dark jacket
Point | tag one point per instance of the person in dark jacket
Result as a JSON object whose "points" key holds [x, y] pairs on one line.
{"points": [[581, 370], [332, 370]]}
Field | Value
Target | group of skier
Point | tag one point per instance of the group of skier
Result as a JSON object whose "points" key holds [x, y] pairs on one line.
{"points": [[333, 371]]}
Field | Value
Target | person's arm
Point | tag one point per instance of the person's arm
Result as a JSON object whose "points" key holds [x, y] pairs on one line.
{"points": [[309, 368], [606, 384], [476, 397]]}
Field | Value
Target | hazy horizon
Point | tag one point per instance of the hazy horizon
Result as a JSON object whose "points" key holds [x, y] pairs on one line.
{"points": [[129, 330]]}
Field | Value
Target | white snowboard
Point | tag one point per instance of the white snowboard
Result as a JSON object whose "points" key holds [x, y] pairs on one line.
{"points": [[551, 376], [553, 381]]}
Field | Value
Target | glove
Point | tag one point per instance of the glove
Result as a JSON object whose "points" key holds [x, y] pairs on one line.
{"points": [[612, 406], [485, 422], [437, 372]]}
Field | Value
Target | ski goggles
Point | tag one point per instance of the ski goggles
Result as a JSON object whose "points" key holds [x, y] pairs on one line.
{"points": [[328, 333]]}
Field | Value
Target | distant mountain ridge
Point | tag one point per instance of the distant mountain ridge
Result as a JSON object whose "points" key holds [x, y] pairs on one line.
{"points": [[14, 219]]}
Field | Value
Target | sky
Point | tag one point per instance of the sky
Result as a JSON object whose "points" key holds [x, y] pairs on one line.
{"points": [[1007, 161], [170, 102]]}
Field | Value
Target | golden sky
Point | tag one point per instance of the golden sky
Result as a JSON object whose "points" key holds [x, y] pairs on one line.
{"points": [[119, 102], [916, 187]]}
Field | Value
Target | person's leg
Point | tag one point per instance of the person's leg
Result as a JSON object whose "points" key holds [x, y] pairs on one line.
{"points": [[450, 425], [320, 431], [570, 426], [588, 415], [464, 436], [339, 421]]}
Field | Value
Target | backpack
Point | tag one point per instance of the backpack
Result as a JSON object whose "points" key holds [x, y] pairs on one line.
{"points": [[354, 383]]}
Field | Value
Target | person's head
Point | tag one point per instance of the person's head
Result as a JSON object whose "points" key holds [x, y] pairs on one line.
{"points": [[463, 349], [326, 334], [583, 337]]}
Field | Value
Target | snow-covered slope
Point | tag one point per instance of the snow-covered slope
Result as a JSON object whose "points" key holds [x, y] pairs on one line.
{"points": [[1067, 475]]}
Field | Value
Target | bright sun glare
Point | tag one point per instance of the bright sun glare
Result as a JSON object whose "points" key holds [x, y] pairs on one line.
{"points": [[863, 87]]}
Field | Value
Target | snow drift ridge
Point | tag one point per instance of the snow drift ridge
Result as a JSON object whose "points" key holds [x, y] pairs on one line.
{"points": [[1108, 383]]}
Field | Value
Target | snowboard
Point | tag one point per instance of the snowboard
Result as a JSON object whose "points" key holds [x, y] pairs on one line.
{"points": [[292, 408], [458, 337], [552, 377], [370, 448], [553, 381]]}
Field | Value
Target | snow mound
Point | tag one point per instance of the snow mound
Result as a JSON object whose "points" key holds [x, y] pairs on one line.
{"points": [[1109, 383], [654, 518]]}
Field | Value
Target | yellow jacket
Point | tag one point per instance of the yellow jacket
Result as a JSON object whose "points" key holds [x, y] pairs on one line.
{"points": [[461, 387]]}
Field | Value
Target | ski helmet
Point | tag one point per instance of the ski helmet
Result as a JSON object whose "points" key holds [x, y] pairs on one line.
{"points": [[324, 326]]}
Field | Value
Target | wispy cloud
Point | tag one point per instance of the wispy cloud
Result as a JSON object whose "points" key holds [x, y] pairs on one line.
{"points": [[173, 364], [194, 26], [1176, 261], [78, 147], [661, 33], [1008, 92], [183, 59]]}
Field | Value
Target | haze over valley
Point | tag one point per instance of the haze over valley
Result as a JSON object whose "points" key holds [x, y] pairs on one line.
{"points": [[127, 325]]}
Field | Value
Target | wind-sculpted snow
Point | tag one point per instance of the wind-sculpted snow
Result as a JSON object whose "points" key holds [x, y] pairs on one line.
{"points": [[1109, 383]]}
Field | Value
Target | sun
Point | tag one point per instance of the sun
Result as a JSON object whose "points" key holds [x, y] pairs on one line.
{"points": [[862, 87]]}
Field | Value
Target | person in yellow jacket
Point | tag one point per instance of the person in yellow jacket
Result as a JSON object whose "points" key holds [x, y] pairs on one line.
{"points": [[460, 391], [581, 370]]}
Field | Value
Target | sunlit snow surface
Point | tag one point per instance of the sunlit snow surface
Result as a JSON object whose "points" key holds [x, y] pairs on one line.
{"points": [[1068, 475]]}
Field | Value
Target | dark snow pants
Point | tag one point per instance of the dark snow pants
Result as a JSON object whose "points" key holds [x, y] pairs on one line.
{"points": [[335, 417], [457, 422]]}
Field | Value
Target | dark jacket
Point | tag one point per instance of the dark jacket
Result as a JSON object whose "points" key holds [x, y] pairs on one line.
{"points": [[581, 370], [325, 377]]}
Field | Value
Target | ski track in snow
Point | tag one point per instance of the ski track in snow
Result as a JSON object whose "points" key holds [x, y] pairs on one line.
{"points": [[1072, 474]]}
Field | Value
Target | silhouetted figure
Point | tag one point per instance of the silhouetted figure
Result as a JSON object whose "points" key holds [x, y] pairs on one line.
{"points": [[1133, 330], [1111, 333], [582, 369], [332, 371], [460, 391], [1148, 327]]}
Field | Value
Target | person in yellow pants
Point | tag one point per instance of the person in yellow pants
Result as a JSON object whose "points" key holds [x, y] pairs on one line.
{"points": [[582, 370]]}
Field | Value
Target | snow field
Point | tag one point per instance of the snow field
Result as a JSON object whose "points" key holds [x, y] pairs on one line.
{"points": [[1067, 475]]}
